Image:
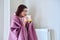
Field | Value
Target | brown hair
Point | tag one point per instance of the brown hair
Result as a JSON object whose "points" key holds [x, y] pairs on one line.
{"points": [[20, 9]]}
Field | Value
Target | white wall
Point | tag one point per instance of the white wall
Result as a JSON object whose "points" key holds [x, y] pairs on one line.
{"points": [[1, 19]]}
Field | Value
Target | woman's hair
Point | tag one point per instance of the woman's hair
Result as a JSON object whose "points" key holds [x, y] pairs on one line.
{"points": [[20, 9]]}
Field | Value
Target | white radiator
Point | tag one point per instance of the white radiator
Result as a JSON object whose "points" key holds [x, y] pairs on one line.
{"points": [[43, 34]]}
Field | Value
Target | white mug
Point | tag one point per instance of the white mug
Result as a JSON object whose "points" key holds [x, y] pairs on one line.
{"points": [[29, 18]]}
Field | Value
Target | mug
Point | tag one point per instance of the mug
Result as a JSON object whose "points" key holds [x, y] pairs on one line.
{"points": [[29, 18]]}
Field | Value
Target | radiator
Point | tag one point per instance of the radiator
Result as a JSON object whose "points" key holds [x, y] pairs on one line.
{"points": [[43, 34]]}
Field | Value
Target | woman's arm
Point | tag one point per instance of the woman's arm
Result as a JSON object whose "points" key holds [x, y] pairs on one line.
{"points": [[15, 26]]}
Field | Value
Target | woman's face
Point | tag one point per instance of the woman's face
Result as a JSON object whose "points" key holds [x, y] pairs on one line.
{"points": [[24, 12]]}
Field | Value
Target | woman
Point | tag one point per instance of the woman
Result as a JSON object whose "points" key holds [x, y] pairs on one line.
{"points": [[21, 28]]}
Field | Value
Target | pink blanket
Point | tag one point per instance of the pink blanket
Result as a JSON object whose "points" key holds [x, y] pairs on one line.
{"points": [[19, 32]]}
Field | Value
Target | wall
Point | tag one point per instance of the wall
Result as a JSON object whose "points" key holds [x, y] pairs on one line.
{"points": [[1, 19]]}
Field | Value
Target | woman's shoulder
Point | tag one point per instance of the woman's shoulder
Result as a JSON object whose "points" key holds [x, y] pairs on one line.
{"points": [[15, 18]]}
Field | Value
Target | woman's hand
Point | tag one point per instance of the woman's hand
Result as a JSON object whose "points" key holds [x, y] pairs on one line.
{"points": [[24, 20]]}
